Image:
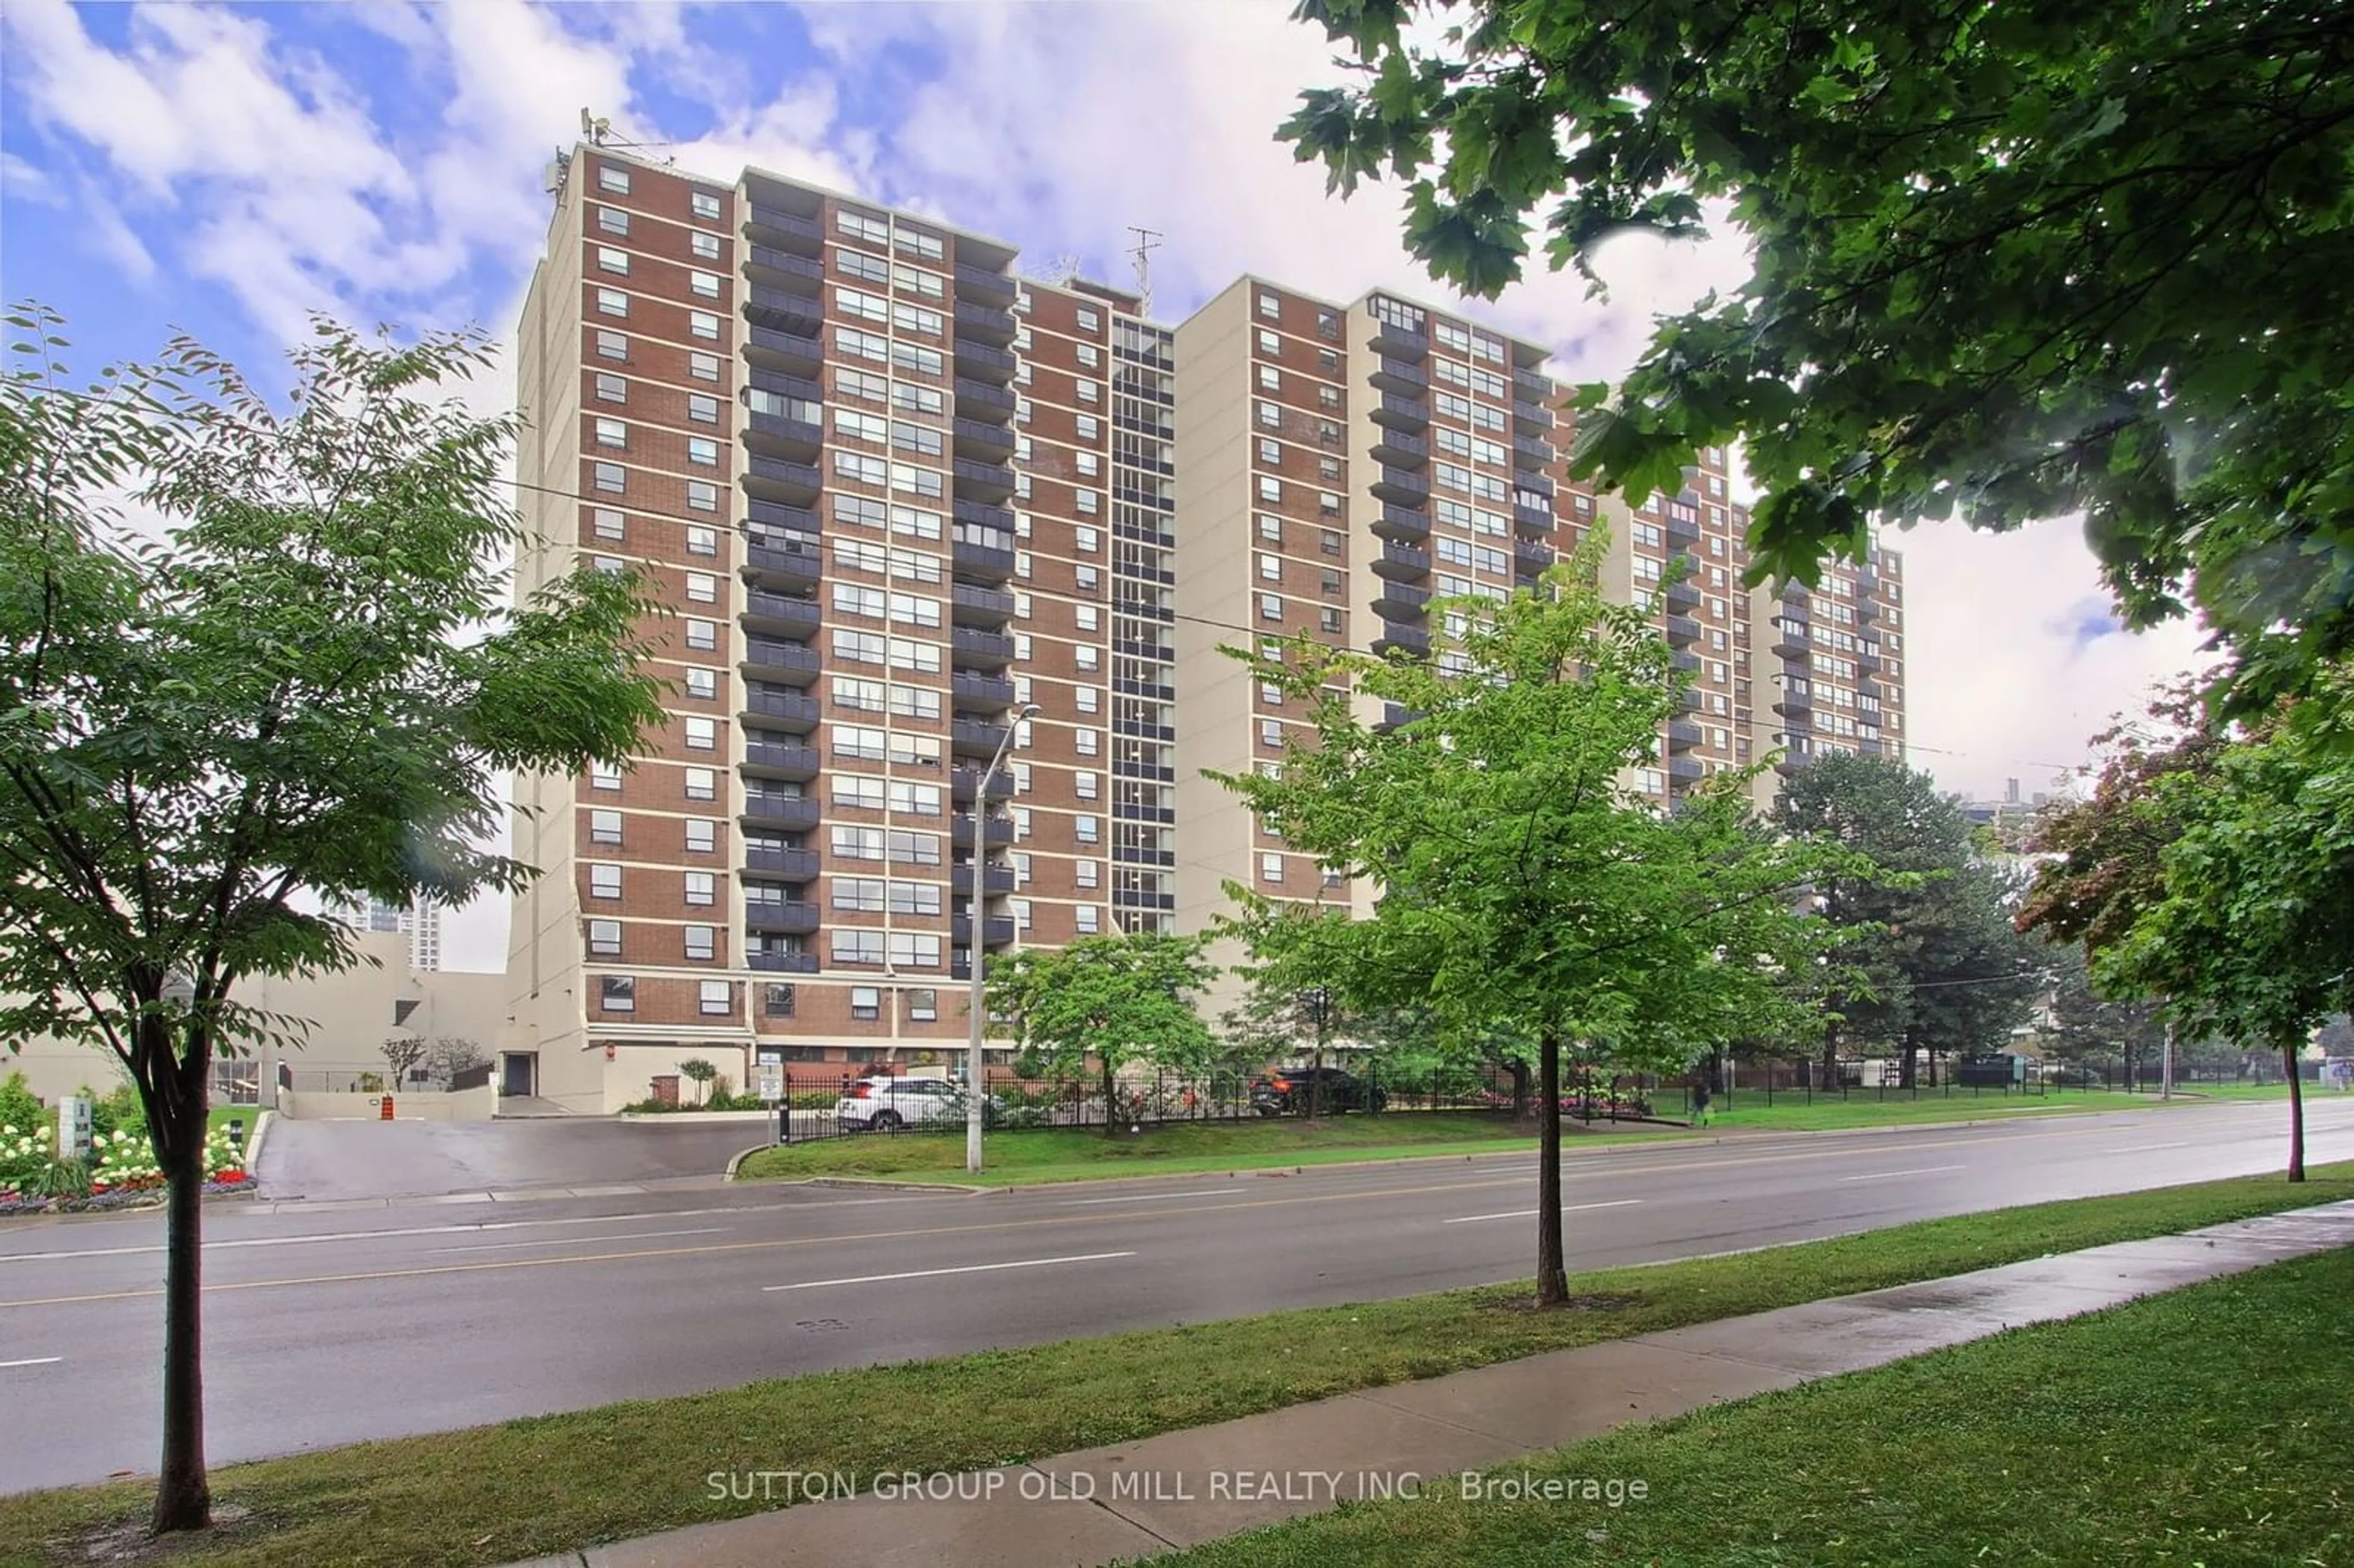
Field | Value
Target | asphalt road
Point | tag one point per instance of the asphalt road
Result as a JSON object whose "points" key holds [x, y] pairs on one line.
{"points": [[341, 1161], [328, 1326]]}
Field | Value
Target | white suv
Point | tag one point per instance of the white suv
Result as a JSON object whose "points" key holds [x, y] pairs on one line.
{"points": [[880, 1105]]}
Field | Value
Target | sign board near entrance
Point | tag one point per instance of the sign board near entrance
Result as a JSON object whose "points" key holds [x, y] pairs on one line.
{"points": [[770, 1080]]}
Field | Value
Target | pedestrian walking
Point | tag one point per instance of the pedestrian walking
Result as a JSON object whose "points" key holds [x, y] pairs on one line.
{"points": [[1700, 1100]]}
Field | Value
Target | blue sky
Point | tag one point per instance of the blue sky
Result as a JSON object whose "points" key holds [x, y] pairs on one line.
{"points": [[226, 169]]}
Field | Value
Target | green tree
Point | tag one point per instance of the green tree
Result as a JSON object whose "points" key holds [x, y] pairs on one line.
{"points": [[1109, 1001], [2009, 263], [311, 683], [1526, 884], [2088, 1026], [2251, 936], [699, 1072]]}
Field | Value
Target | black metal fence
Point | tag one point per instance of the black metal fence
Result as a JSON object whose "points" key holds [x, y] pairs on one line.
{"points": [[1993, 1079]]}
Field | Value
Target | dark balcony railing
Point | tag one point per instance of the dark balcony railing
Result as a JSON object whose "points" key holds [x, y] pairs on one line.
{"points": [[972, 397], [793, 813], [1401, 413], [778, 708], [788, 919], [984, 693], [1534, 483], [1529, 384], [765, 519], [990, 322], [982, 480], [795, 350], [982, 515], [1397, 341], [787, 227], [1532, 451], [979, 358], [981, 649], [1402, 561], [780, 864], [984, 440], [964, 784], [1685, 660], [1402, 601], [1397, 375], [1000, 829], [1794, 592], [1685, 767], [996, 881], [767, 265], [1399, 484], [973, 606], [1530, 519], [982, 563], [1868, 688], [781, 613], [774, 435], [792, 963], [1866, 664], [1395, 637], [1406, 525], [983, 284], [765, 659], [996, 930], [1531, 556], [1683, 594], [1397, 447], [1530, 418], [780, 760], [780, 568], [800, 481], [1786, 700], [784, 313], [1682, 629], [1867, 609], [972, 738], [1682, 532], [1682, 734]]}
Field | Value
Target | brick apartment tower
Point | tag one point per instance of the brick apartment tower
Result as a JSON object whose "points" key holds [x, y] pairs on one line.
{"points": [[891, 495]]}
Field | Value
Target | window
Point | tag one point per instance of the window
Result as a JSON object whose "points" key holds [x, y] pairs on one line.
{"points": [[604, 827], [702, 408], [1330, 543], [1270, 307], [702, 888], [857, 947], [605, 939], [1269, 607], [702, 634], [865, 1002], [706, 246], [604, 882], [611, 388], [617, 994], [700, 942], [1271, 568], [612, 261], [1270, 343], [703, 451], [703, 366], [702, 541], [703, 285], [605, 523], [612, 433], [1328, 619], [1087, 829], [612, 303], [613, 177], [923, 1006], [1270, 379], [1328, 504], [1271, 453], [1270, 489], [1270, 734], [702, 495], [703, 324], [613, 220], [600, 777], [775, 1000], [702, 835], [608, 477], [702, 784], [1271, 868], [717, 999]]}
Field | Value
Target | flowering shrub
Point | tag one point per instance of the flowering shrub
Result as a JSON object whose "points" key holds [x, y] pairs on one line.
{"points": [[127, 1160], [24, 1151]]}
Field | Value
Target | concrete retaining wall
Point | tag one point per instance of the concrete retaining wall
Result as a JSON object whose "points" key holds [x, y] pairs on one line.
{"points": [[466, 1104]]}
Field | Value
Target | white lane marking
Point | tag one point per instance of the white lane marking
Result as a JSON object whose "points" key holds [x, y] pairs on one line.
{"points": [[935, 1273], [1531, 1213], [596, 1240], [2149, 1147], [32, 1361], [1151, 1197], [1891, 1175]]}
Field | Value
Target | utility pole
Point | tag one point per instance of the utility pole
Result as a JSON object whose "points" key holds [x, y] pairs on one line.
{"points": [[976, 1081]]}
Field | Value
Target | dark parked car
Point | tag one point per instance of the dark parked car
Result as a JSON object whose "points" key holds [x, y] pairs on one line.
{"points": [[1284, 1092]]}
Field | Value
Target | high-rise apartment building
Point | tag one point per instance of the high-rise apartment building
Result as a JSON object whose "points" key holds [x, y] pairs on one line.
{"points": [[419, 920], [900, 506]]}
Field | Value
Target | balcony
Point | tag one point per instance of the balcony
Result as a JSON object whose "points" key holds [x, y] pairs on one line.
{"points": [[794, 963], [1866, 610], [781, 613], [982, 563], [991, 324], [1530, 519], [972, 738], [1397, 375], [787, 663], [784, 313], [1869, 688], [1397, 447], [1000, 831], [1682, 734], [777, 480], [1682, 533], [1402, 601], [1794, 592], [982, 481], [1401, 413], [981, 693], [988, 607], [780, 864], [1685, 660], [1391, 339], [776, 708], [1682, 595], [1402, 562], [1531, 383], [980, 399], [1394, 715], [1531, 418], [1532, 451], [981, 514], [996, 930], [767, 267], [987, 287], [979, 650], [1867, 658], [773, 226], [1793, 763], [780, 760], [1397, 485], [1533, 483], [964, 785], [782, 566], [774, 435], [1788, 702], [1790, 639], [976, 359], [772, 349], [1531, 556], [1400, 638], [1682, 630], [983, 440], [1687, 768], [773, 517], [1406, 525], [996, 881], [787, 919], [795, 813]]}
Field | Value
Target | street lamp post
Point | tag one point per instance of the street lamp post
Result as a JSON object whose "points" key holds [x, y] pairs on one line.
{"points": [[975, 1103]]}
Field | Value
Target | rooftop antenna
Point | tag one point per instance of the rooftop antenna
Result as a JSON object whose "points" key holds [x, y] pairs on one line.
{"points": [[595, 130], [1148, 240]]}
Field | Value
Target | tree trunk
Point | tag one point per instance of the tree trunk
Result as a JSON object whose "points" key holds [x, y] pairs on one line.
{"points": [[1520, 1090], [2296, 1111], [1908, 1072], [1831, 1056], [1553, 1275], [1315, 1081], [1111, 1107], [183, 1495]]}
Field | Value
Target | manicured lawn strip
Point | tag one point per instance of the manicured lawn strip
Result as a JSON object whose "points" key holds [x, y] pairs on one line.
{"points": [[1022, 1158], [495, 1494], [2126, 1436], [1792, 1113], [217, 1119]]}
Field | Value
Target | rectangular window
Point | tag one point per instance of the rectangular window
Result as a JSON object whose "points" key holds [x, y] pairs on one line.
{"points": [[612, 303], [605, 939], [613, 345], [702, 835], [717, 999], [702, 408], [702, 887], [706, 246], [617, 994], [702, 784], [612, 433], [703, 366], [613, 220], [1271, 868], [703, 324], [604, 827], [703, 285], [701, 942], [608, 478], [612, 261], [703, 451], [604, 882], [605, 523], [702, 634]]}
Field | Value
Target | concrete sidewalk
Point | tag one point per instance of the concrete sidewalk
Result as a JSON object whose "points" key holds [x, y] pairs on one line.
{"points": [[1178, 1490]]}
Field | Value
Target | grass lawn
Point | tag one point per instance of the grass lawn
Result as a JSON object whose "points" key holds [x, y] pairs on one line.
{"points": [[218, 1117], [1792, 1113], [1022, 1158], [2209, 1425], [495, 1494]]}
